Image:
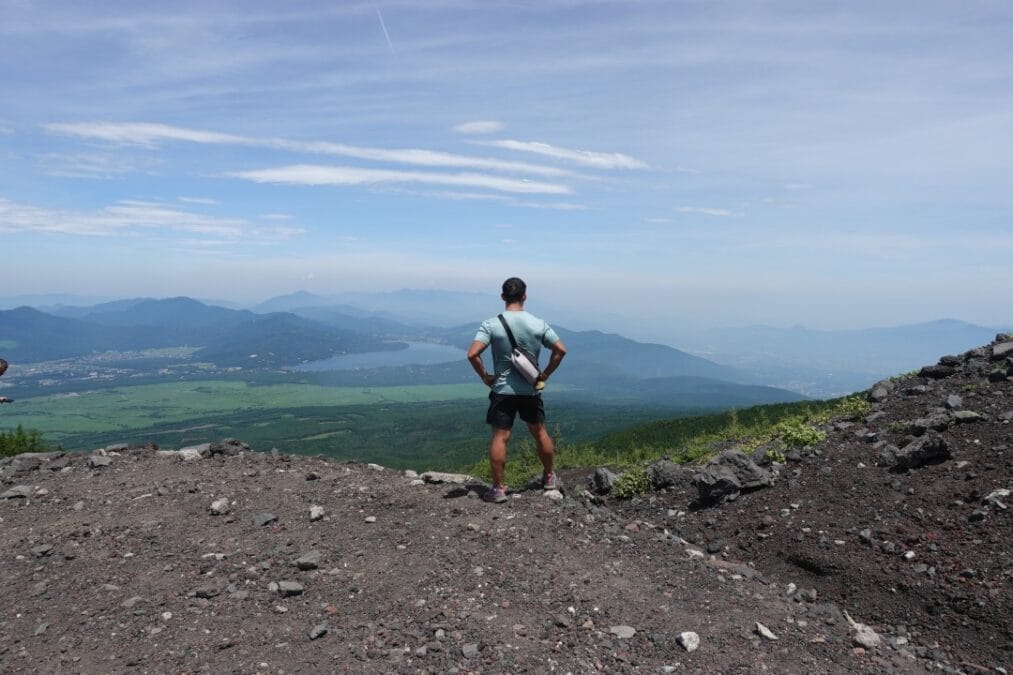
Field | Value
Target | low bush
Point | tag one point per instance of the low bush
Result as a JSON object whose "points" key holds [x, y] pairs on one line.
{"points": [[630, 483]]}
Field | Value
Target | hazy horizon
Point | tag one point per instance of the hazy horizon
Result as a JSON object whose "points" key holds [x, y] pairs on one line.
{"points": [[659, 164]]}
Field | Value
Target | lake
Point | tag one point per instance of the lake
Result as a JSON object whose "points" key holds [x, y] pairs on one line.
{"points": [[417, 354]]}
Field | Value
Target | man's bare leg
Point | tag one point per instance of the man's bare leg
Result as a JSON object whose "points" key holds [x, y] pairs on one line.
{"points": [[497, 455], [546, 448]]}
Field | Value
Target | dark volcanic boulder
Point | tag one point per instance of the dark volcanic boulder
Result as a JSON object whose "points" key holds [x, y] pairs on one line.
{"points": [[728, 474], [664, 474], [602, 480], [937, 372], [929, 449], [228, 447], [937, 421]]}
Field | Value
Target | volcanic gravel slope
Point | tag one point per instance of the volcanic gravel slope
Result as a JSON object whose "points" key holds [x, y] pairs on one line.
{"points": [[134, 560]]}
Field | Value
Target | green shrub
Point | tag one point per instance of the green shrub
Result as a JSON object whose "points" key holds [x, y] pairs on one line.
{"points": [[854, 407], [634, 481], [795, 433], [18, 441], [775, 457]]}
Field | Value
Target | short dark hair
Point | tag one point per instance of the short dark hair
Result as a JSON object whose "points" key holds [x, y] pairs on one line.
{"points": [[514, 290]]}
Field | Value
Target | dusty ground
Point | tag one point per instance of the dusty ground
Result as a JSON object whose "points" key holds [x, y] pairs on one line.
{"points": [[124, 567]]}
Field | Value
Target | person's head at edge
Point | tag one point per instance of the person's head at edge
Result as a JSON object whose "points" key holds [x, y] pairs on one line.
{"points": [[514, 291]]}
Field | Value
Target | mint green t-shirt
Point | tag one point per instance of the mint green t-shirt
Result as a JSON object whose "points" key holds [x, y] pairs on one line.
{"points": [[530, 332]]}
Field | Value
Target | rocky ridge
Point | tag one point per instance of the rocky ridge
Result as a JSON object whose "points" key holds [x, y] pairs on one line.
{"points": [[856, 555]]}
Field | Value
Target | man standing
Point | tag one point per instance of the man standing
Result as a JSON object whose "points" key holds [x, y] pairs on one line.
{"points": [[512, 394]]}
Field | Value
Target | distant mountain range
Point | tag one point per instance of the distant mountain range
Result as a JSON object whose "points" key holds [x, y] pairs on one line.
{"points": [[602, 366], [302, 326], [227, 337]]}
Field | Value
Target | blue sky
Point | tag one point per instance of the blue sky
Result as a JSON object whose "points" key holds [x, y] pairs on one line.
{"points": [[676, 162]]}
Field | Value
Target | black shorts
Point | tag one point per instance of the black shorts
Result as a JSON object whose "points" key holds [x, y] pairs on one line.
{"points": [[504, 407]]}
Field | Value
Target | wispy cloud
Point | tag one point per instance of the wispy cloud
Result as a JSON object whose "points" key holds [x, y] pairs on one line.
{"points": [[136, 218], [386, 33], [147, 134], [597, 160], [708, 211], [479, 127], [198, 200], [95, 165], [309, 174]]}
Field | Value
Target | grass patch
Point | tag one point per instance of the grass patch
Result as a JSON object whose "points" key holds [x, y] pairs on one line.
{"points": [[688, 439], [123, 409]]}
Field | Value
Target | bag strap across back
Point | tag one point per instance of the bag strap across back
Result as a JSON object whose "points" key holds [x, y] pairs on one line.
{"points": [[510, 333]]}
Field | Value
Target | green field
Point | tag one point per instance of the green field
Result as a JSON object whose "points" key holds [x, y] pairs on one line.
{"points": [[127, 409]]}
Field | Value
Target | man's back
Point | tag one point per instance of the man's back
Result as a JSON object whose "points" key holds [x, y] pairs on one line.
{"points": [[530, 332]]}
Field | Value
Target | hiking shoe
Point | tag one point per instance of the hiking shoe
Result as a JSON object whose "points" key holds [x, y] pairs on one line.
{"points": [[496, 495], [550, 481]]}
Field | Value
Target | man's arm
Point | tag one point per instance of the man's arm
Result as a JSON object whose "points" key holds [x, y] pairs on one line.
{"points": [[475, 358], [558, 352]]}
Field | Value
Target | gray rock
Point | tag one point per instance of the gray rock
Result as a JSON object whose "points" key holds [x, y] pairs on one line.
{"points": [[219, 507], [470, 650], [929, 448], [131, 602], [316, 513], [318, 631], [18, 492], [208, 592], [938, 421], [966, 416], [997, 376], [289, 588], [192, 452], [308, 561], [725, 476], [99, 461], [623, 632], [554, 495], [664, 474], [602, 480], [1002, 350], [688, 640], [996, 497], [878, 394], [954, 402], [764, 632], [439, 477], [865, 637], [262, 519], [116, 447], [42, 551]]}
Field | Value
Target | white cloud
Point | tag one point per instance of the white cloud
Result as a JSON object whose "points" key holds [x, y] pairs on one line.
{"points": [[308, 174], [708, 211], [149, 135], [597, 160], [136, 218], [95, 165], [479, 127], [198, 200]]}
